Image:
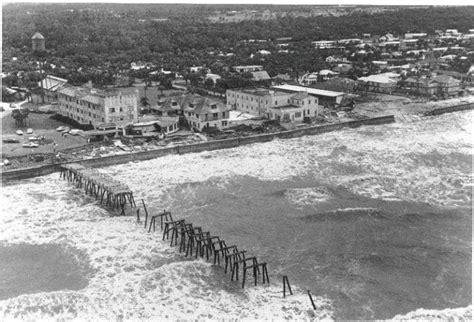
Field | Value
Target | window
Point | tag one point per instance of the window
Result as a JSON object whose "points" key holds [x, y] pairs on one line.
{"points": [[224, 123], [215, 115], [223, 114], [112, 110], [276, 103], [298, 114], [213, 106], [121, 109]]}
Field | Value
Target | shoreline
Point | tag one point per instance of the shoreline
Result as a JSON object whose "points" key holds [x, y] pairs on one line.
{"points": [[27, 173]]}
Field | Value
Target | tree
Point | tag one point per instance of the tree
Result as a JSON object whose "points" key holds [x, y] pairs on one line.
{"points": [[144, 101], [208, 83], [20, 115]]}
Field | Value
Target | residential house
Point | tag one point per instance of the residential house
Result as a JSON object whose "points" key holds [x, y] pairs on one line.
{"points": [[309, 78], [326, 74], [420, 86], [201, 113], [447, 85], [213, 77], [381, 83], [196, 69]]}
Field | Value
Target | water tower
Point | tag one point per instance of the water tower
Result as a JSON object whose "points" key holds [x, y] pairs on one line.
{"points": [[38, 42], [39, 51]]}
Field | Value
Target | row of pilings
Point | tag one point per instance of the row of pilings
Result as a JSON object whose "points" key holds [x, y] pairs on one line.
{"points": [[192, 240], [110, 192], [195, 242]]}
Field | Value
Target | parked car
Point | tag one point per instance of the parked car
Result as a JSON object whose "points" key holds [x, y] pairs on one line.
{"points": [[75, 132], [60, 129], [30, 145], [19, 132], [29, 131]]}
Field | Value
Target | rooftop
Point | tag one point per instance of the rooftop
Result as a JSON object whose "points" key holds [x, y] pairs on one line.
{"points": [[309, 90], [37, 35]]}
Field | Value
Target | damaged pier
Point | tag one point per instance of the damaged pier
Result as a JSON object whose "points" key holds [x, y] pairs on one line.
{"points": [[112, 193]]}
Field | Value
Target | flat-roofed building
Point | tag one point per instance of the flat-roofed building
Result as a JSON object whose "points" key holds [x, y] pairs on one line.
{"points": [[325, 97], [248, 68], [324, 44], [261, 101], [91, 106]]}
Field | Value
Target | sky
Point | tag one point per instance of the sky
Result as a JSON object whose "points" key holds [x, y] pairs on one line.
{"points": [[293, 2]]}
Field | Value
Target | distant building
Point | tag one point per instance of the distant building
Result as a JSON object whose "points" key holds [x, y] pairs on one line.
{"points": [[90, 106], [324, 44], [415, 35], [264, 52], [196, 69], [380, 64], [248, 68], [260, 76]]}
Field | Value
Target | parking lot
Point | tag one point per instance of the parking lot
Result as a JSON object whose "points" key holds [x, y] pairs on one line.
{"points": [[42, 125]]}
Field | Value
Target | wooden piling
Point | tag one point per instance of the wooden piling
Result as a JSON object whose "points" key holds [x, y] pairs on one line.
{"points": [[311, 298], [285, 283]]}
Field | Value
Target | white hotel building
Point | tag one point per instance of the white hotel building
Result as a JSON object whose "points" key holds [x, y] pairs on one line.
{"points": [[93, 106]]}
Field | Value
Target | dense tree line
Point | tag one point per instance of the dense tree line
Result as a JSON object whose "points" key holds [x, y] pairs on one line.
{"points": [[103, 39]]}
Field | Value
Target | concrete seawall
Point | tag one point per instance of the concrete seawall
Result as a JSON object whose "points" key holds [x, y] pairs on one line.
{"points": [[450, 109], [192, 148]]}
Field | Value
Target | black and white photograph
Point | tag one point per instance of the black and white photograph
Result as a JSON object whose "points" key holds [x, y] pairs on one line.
{"points": [[236, 160]]}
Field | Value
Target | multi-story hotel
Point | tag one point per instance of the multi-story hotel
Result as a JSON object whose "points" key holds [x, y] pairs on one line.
{"points": [[88, 105], [263, 102]]}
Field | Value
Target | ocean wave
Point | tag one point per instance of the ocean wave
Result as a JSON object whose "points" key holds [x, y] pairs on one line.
{"points": [[458, 314]]}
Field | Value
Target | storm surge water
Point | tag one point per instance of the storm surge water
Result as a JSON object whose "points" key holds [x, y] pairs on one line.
{"points": [[375, 222]]}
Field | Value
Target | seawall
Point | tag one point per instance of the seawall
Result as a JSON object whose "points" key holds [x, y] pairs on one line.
{"points": [[450, 109], [192, 148]]}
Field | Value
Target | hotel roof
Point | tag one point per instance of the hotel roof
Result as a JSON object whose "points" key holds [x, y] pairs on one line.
{"points": [[309, 90]]}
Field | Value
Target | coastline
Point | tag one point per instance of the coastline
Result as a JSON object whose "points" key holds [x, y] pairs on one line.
{"points": [[25, 173]]}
